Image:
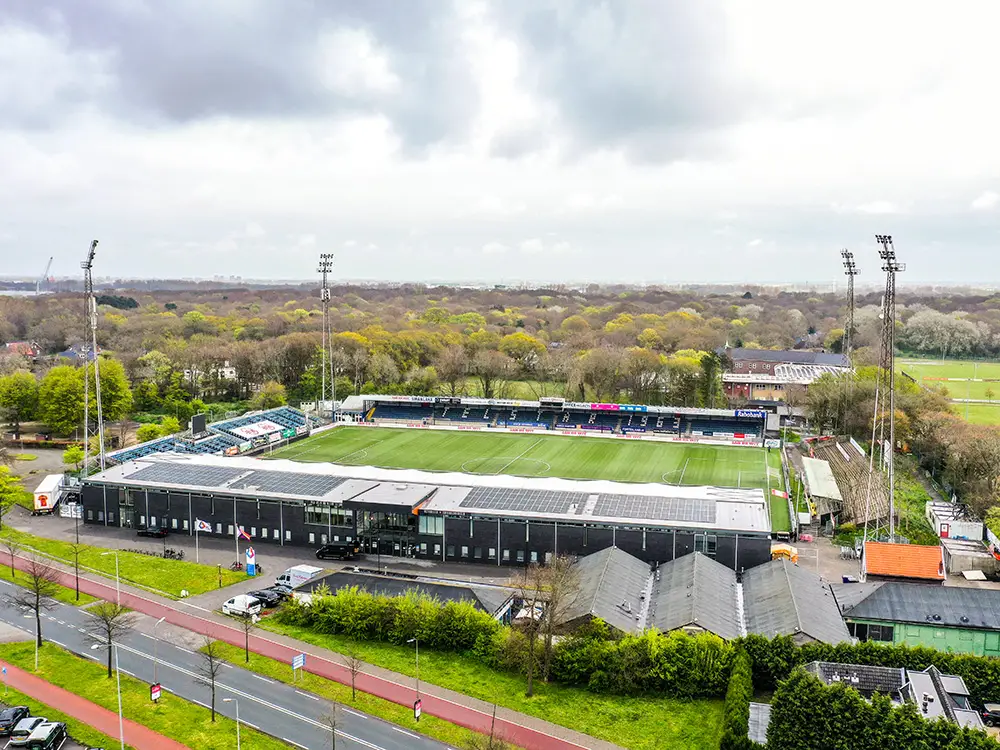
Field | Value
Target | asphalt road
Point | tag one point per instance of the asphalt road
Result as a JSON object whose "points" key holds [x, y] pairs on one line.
{"points": [[273, 707]]}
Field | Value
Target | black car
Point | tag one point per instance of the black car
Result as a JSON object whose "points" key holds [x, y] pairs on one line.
{"points": [[283, 592], [267, 597], [341, 551], [10, 716], [157, 532], [991, 714]]}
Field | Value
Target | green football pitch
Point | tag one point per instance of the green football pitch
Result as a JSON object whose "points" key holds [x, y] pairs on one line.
{"points": [[535, 455], [978, 381]]}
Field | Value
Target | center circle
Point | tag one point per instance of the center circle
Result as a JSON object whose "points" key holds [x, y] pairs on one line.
{"points": [[531, 467]]}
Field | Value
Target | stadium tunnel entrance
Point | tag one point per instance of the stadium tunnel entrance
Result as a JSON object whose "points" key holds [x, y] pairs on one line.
{"points": [[385, 517]]}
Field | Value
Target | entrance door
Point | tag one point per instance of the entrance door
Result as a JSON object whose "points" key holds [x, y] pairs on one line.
{"points": [[127, 517], [945, 530]]}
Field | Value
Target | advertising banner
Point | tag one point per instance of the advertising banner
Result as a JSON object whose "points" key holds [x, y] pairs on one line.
{"points": [[751, 413], [264, 427]]}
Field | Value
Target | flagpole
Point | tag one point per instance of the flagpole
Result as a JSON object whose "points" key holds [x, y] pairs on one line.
{"points": [[197, 552], [236, 533]]}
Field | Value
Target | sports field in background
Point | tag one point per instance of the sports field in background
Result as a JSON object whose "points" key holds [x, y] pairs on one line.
{"points": [[963, 380], [536, 455]]}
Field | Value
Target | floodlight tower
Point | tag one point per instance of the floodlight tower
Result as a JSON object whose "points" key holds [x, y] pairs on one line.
{"points": [[325, 266], [850, 270], [91, 302]]}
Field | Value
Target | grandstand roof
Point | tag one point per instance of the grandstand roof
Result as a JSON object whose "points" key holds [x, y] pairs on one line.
{"points": [[820, 480], [788, 356], [456, 493]]}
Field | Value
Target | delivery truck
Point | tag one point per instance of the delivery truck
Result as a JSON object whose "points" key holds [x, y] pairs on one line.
{"points": [[298, 575], [47, 494]]}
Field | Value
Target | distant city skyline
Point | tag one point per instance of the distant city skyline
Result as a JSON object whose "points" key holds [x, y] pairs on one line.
{"points": [[637, 142]]}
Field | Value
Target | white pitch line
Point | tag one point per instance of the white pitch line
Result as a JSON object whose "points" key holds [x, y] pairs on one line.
{"points": [[681, 480], [520, 455]]}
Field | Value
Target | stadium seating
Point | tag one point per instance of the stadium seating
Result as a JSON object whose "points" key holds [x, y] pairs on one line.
{"points": [[402, 412], [635, 422], [731, 429], [850, 469]]}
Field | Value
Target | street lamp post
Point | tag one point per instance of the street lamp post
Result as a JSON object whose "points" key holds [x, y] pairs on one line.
{"points": [[156, 643], [118, 580], [237, 702], [118, 677]]}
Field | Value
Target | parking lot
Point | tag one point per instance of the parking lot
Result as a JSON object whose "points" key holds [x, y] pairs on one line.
{"points": [[68, 744]]}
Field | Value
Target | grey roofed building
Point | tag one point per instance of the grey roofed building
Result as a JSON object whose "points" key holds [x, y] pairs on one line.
{"points": [[780, 598], [694, 592], [613, 585], [956, 606], [788, 356]]}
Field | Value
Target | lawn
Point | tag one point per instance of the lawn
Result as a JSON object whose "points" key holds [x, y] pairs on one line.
{"points": [[780, 518], [181, 720], [62, 594], [168, 577], [432, 726], [535, 455], [82, 733], [637, 723], [961, 379]]}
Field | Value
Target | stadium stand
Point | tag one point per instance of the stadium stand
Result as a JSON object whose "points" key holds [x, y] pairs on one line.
{"points": [[723, 428], [850, 469]]}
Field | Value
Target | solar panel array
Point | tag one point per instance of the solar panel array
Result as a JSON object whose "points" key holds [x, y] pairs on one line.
{"points": [[288, 483], [532, 501], [690, 509], [189, 474]]}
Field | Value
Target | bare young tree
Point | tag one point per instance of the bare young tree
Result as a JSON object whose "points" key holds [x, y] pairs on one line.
{"points": [[353, 663], [561, 582], [491, 741], [13, 547], [76, 548], [211, 665], [248, 624], [111, 623], [332, 719], [36, 591], [530, 584]]}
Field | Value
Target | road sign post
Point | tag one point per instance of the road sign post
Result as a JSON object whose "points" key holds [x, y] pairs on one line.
{"points": [[154, 692], [417, 707], [298, 662]]}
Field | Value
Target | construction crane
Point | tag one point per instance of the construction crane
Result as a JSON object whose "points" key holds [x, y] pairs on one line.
{"points": [[45, 277]]}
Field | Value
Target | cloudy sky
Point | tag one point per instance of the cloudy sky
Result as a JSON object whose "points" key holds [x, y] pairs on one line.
{"points": [[634, 140]]}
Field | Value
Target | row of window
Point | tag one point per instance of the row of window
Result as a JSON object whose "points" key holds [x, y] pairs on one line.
{"points": [[132, 498], [865, 632], [323, 514], [477, 553]]}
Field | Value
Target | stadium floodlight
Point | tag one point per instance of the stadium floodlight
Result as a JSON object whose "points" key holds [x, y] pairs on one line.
{"points": [[91, 306], [326, 363]]}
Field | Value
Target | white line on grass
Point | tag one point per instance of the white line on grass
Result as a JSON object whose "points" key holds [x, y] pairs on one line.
{"points": [[359, 450], [681, 480], [520, 455]]}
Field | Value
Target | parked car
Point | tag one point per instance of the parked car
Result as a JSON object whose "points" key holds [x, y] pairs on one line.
{"points": [[157, 532], [338, 551], [991, 714], [47, 736], [285, 592], [242, 605], [20, 734], [267, 597], [9, 718]]}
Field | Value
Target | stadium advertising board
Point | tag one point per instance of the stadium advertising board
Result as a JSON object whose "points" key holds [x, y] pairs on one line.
{"points": [[232, 450], [288, 433], [772, 443], [244, 447], [405, 399], [274, 437], [258, 441], [497, 402], [301, 430], [470, 427], [751, 413], [257, 429]]}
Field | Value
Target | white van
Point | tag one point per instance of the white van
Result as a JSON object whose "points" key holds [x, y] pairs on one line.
{"points": [[243, 605], [297, 575]]}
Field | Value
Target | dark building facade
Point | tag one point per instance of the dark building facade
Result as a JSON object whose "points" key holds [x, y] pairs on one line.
{"points": [[281, 503]]}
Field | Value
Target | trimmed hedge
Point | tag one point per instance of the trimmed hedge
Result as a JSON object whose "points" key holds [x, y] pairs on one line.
{"points": [[736, 720]]}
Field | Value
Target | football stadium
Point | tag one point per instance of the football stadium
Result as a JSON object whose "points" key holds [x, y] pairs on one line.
{"points": [[464, 480]]}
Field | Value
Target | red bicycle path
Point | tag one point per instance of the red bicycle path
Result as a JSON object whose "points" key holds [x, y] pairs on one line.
{"points": [[98, 717], [469, 717]]}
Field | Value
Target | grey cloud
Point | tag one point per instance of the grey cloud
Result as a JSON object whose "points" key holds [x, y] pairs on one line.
{"points": [[186, 60], [647, 76]]}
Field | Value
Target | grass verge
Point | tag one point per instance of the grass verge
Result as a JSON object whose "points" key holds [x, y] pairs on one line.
{"points": [[166, 576], [82, 733], [400, 715], [62, 594], [25, 499], [780, 520], [637, 723], [25, 457], [181, 720]]}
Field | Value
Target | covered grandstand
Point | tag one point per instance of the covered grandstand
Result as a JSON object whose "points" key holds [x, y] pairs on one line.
{"points": [[230, 437], [560, 415], [864, 498]]}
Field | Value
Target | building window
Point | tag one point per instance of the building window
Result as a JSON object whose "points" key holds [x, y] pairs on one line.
{"points": [[142, 521], [506, 555], [465, 551], [312, 538], [437, 550], [184, 524], [288, 536], [706, 544], [451, 550], [111, 516], [253, 531], [520, 555], [173, 521], [423, 548], [90, 515], [477, 553], [263, 533], [152, 519], [430, 525], [100, 515], [218, 528], [493, 553], [534, 556], [322, 538], [230, 530]]}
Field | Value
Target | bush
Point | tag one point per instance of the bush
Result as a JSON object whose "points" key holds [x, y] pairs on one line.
{"points": [[736, 720]]}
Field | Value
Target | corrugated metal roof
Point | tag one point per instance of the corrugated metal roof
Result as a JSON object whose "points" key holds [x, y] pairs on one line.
{"points": [[820, 480], [606, 580], [696, 590], [789, 356], [904, 560], [783, 599], [919, 603]]}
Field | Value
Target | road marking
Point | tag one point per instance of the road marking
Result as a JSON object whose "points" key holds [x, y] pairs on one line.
{"points": [[309, 696], [293, 742], [194, 606], [58, 643], [147, 635], [349, 711], [264, 679], [403, 731]]}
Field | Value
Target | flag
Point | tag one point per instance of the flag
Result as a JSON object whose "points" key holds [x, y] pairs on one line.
{"points": [[200, 525], [780, 493], [242, 533]]}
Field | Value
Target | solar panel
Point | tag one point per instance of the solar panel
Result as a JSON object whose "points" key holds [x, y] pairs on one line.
{"points": [[288, 483], [190, 474], [693, 510], [531, 501]]}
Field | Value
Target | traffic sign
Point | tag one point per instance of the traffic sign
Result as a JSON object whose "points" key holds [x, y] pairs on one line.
{"points": [[298, 661], [417, 704], [154, 692]]}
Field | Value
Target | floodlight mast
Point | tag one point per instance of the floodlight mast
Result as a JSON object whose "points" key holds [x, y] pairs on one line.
{"points": [[850, 270], [325, 267], [91, 302]]}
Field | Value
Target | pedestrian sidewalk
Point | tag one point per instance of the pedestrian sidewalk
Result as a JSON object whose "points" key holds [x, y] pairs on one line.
{"points": [[521, 729], [98, 717]]}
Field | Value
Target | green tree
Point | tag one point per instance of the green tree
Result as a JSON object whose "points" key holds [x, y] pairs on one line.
{"points": [[60, 399], [18, 398], [10, 491], [270, 395], [523, 348], [148, 432], [73, 456], [146, 396], [170, 426], [116, 394]]}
